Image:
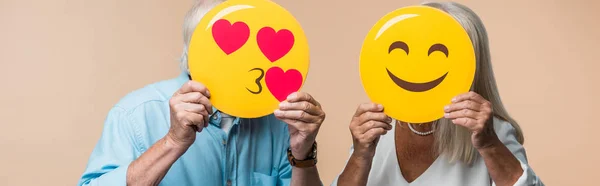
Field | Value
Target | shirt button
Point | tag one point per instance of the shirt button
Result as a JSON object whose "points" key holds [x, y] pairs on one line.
{"points": [[224, 142], [228, 182]]}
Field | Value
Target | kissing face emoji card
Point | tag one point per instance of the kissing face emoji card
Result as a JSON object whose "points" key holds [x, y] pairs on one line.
{"points": [[250, 54], [414, 61]]}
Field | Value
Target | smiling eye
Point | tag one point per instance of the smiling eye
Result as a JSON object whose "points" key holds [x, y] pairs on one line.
{"points": [[438, 47], [398, 45]]}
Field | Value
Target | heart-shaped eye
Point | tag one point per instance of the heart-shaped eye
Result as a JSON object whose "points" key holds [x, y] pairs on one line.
{"points": [[274, 45], [230, 37]]}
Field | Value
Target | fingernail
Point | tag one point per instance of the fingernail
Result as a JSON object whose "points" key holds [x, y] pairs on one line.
{"points": [[453, 100], [278, 112], [446, 115], [446, 108], [379, 106], [207, 93], [291, 96], [283, 104]]}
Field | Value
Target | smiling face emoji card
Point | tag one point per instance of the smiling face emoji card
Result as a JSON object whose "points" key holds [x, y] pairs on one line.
{"points": [[414, 61], [250, 54]]}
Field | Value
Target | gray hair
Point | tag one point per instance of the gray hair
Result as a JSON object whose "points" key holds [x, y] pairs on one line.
{"points": [[453, 141], [193, 16]]}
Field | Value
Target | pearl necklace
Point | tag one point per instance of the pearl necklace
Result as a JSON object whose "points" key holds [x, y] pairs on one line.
{"points": [[420, 133]]}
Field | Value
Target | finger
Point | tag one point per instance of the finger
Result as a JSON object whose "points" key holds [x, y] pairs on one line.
{"points": [[194, 108], [464, 113], [196, 97], [190, 97], [297, 124], [465, 122], [486, 107], [207, 104], [296, 115], [202, 125], [368, 107], [200, 121], [374, 116], [302, 96], [467, 104], [190, 119], [193, 86], [372, 125], [303, 105], [373, 134], [469, 96]]}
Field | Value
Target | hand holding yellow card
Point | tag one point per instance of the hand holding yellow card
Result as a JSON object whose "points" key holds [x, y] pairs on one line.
{"points": [[414, 60], [250, 54]]}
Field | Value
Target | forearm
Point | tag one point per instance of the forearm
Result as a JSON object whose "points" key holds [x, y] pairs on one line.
{"points": [[305, 177], [502, 165], [356, 172], [152, 166]]}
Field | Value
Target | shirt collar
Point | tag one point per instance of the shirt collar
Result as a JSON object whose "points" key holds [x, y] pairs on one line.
{"points": [[182, 78], [216, 118]]}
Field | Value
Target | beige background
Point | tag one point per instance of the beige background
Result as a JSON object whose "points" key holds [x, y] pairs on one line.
{"points": [[64, 63]]}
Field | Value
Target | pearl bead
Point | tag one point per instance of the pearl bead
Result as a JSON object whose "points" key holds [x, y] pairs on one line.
{"points": [[420, 133]]}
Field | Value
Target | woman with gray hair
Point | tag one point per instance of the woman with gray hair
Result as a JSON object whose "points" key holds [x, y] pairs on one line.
{"points": [[476, 143]]}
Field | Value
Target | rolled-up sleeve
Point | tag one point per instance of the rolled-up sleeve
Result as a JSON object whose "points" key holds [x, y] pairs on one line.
{"points": [[114, 151], [507, 135]]}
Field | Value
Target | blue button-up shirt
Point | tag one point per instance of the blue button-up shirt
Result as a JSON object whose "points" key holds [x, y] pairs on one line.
{"points": [[253, 153]]}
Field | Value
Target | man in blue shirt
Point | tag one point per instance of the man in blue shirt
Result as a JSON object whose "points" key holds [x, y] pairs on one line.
{"points": [[168, 133]]}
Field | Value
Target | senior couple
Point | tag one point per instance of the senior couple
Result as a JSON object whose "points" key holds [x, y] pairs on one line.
{"points": [[168, 133]]}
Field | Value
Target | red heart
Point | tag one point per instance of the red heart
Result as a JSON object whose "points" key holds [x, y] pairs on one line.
{"points": [[230, 37], [274, 45], [282, 84]]}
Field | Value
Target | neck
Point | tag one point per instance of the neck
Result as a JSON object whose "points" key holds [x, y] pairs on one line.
{"points": [[421, 127]]}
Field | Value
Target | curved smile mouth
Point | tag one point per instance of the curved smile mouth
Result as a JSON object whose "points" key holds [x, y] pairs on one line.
{"points": [[416, 87]]}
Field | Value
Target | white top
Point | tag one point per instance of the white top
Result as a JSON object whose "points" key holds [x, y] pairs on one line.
{"points": [[386, 171], [226, 122]]}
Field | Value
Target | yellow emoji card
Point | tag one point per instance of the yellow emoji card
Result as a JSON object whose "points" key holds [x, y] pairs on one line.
{"points": [[250, 54], [414, 61]]}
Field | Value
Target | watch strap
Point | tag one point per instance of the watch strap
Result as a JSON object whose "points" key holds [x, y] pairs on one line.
{"points": [[310, 161]]}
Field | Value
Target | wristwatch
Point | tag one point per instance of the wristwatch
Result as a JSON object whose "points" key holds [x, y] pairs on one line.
{"points": [[310, 161]]}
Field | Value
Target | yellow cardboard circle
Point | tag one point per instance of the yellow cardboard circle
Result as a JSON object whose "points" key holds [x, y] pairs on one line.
{"points": [[250, 54], [414, 61]]}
